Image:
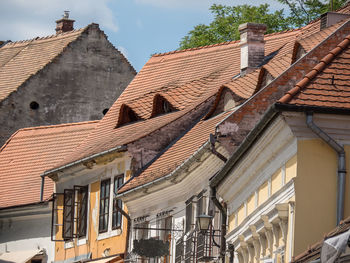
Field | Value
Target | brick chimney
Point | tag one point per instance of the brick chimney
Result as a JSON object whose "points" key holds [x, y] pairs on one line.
{"points": [[65, 24], [252, 46]]}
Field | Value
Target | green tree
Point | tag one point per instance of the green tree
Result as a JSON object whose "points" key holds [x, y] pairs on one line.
{"points": [[303, 12], [224, 26]]}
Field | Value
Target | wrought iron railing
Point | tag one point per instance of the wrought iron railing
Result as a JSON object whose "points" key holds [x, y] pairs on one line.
{"points": [[198, 247]]}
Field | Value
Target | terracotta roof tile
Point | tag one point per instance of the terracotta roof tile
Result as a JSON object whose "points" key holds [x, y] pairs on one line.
{"points": [[180, 151], [20, 60], [188, 78], [29, 153], [313, 252], [327, 83]]}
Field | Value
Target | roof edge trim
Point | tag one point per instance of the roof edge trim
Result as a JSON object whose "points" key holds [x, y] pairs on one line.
{"points": [[316, 70], [115, 149], [244, 146]]}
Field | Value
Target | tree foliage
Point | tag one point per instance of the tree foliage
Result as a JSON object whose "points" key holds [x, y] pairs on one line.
{"points": [[224, 26], [303, 12]]}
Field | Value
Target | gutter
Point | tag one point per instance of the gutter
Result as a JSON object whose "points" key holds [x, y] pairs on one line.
{"points": [[47, 173], [178, 168], [341, 174], [244, 146]]}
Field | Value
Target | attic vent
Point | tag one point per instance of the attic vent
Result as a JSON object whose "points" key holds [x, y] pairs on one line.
{"points": [[126, 115], [330, 18], [34, 105], [161, 106]]}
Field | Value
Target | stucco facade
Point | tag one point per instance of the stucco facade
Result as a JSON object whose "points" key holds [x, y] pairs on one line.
{"points": [[79, 84]]}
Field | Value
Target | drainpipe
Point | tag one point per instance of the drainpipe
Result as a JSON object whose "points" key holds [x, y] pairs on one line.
{"points": [[212, 141], [341, 163], [223, 222], [231, 248], [42, 188], [128, 218]]}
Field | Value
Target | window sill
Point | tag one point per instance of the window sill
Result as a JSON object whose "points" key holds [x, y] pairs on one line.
{"points": [[81, 241], [68, 244], [108, 234]]}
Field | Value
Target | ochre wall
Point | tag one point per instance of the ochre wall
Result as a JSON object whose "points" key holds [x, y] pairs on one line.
{"points": [[115, 244], [316, 187], [263, 192]]}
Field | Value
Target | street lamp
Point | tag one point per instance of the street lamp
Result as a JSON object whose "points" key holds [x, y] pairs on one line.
{"points": [[203, 222]]}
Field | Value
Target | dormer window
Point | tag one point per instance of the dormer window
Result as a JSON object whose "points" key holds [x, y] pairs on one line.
{"points": [[161, 106], [126, 115]]}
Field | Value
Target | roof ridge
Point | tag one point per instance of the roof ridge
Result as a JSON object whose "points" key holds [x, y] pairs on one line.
{"points": [[315, 70], [57, 125], [219, 44], [28, 41]]}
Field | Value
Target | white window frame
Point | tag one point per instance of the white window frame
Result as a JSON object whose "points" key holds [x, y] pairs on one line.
{"points": [[110, 232]]}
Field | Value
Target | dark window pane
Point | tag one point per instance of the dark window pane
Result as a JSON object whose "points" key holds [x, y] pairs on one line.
{"points": [[117, 219], [104, 205]]}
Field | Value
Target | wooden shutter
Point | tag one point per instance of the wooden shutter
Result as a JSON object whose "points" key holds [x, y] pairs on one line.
{"points": [[57, 215], [68, 214], [81, 205]]}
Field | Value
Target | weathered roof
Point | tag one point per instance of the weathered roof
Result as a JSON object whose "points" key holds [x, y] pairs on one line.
{"points": [[243, 87], [23, 59], [179, 152], [249, 116], [186, 78], [326, 85], [31, 151]]}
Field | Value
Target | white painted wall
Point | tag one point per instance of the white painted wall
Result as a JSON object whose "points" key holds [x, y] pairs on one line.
{"points": [[27, 232]]}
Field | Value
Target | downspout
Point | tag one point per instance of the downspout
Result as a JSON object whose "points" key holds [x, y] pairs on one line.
{"points": [[42, 188], [223, 222], [231, 248], [128, 218], [212, 141], [341, 163]]}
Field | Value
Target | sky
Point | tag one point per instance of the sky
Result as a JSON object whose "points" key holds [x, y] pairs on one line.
{"points": [[138, 28]]}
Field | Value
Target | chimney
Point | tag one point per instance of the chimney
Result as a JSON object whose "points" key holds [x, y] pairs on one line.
{"points": [[64, 24], [331, 18], [252, 46]]}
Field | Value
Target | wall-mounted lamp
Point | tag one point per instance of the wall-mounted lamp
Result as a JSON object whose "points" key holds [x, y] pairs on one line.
{"points": [[204, 222]]}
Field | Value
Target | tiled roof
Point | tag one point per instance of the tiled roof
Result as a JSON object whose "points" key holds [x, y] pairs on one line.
{"points": [[179, 152], [31, 151], [20, 60], [313, 252], [326, 85], [185, 78]]}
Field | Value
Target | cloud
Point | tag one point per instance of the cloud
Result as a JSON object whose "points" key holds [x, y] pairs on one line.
{"points": [[23, 19]]}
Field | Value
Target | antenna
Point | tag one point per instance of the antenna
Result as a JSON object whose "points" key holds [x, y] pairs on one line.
{"points": [[66, 15]]}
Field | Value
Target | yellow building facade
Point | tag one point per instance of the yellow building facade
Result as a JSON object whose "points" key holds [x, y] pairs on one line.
{"points": [[281, 195], [104, 233]]}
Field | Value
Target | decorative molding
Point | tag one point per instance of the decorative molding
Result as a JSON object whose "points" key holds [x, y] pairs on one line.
{"points": [[268, 208], [256, 168]]}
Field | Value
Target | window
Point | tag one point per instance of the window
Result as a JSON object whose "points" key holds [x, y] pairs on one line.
{"points": [[75, 203], [81, 200], [117, 203], [189, 215], [104, 206], [68, 214], [142, 230]]}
